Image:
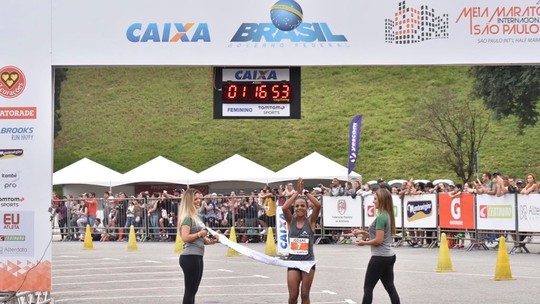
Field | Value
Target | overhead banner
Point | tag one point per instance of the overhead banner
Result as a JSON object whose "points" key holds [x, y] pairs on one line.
{"points": [[294, 33]]}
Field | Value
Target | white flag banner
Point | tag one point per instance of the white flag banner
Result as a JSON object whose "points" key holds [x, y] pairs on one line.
{"points": [[305, 266]]}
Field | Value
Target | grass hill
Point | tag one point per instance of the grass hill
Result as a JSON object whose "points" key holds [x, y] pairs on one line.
{"points": [[123, 117]]}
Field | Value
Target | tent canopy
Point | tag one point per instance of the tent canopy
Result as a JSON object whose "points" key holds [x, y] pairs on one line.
{"points": [[159, 170], [315, 167], [236, 168], [86, 171]]}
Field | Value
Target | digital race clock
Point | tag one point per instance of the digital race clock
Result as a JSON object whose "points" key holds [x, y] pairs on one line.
{"points": [[257, 92]]}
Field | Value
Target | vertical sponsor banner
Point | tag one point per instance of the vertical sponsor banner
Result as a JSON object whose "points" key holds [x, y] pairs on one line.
{"points": [[370, 212], [282, 233], [420, 211], [457, 212], [528, 212], [25, 146], [354, 141], [342, 211], [495, 213]]}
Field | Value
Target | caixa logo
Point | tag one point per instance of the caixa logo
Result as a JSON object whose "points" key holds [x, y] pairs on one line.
{"points": [[256, 75], [168, 32]]}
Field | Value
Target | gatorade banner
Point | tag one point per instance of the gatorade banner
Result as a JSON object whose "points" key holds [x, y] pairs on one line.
{"points": [[457, 212]]}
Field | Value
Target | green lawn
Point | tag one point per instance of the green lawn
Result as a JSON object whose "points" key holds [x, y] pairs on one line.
{"points": [[124, 117]]}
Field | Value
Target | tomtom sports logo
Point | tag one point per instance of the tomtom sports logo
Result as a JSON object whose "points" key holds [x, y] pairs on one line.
{"points": [[342, 206], [12, 82], [11, 201], [10, 153], [168, 32], [413, 25], [495, 212], [19, 133], [287, 26], [418, 210], [18, 112]]}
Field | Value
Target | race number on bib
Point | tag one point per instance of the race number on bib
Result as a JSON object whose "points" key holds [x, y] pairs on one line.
{"points": [[299, 246]]}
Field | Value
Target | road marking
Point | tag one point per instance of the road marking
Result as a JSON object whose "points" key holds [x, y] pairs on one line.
{"points": [[329, 292]]}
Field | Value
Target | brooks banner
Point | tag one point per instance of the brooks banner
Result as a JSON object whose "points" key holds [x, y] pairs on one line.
{"points": [[305, 266], [354, 140]]}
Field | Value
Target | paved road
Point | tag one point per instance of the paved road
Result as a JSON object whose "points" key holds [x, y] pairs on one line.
{"points": [[112, 274]]}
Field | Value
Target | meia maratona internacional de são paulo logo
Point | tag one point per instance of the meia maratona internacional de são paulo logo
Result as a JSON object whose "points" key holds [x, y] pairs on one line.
{"points": [[487, 24]]}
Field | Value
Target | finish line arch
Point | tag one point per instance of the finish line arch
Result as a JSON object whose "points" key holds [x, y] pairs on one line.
{"points": [[39, 35]]}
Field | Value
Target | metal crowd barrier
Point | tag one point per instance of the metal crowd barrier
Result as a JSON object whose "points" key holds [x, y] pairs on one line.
{"points": [[476, 218]]}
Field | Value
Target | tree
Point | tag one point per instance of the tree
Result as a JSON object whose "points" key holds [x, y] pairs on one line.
{"points": [[457, 127], [509, 90], [60, 74]]}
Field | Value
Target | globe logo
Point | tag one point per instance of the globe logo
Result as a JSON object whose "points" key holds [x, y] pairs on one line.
{"points": [[286, 15]]}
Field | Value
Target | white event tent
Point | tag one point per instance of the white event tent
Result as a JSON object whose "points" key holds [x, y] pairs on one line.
{"points": [[314, 169], [86, 175], [235, 172], [159, 170]]}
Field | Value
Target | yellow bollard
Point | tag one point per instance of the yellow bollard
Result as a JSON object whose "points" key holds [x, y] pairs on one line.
{"points": [[445, 263], [502, 269], [88, 245], [132, 240]]}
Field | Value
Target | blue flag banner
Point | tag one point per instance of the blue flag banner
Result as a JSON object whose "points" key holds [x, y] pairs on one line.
{"points": [[354, 141]]}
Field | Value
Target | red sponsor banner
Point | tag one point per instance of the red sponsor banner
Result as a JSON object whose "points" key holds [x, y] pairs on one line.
{"points": [[457, 212], [18, 112]]}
